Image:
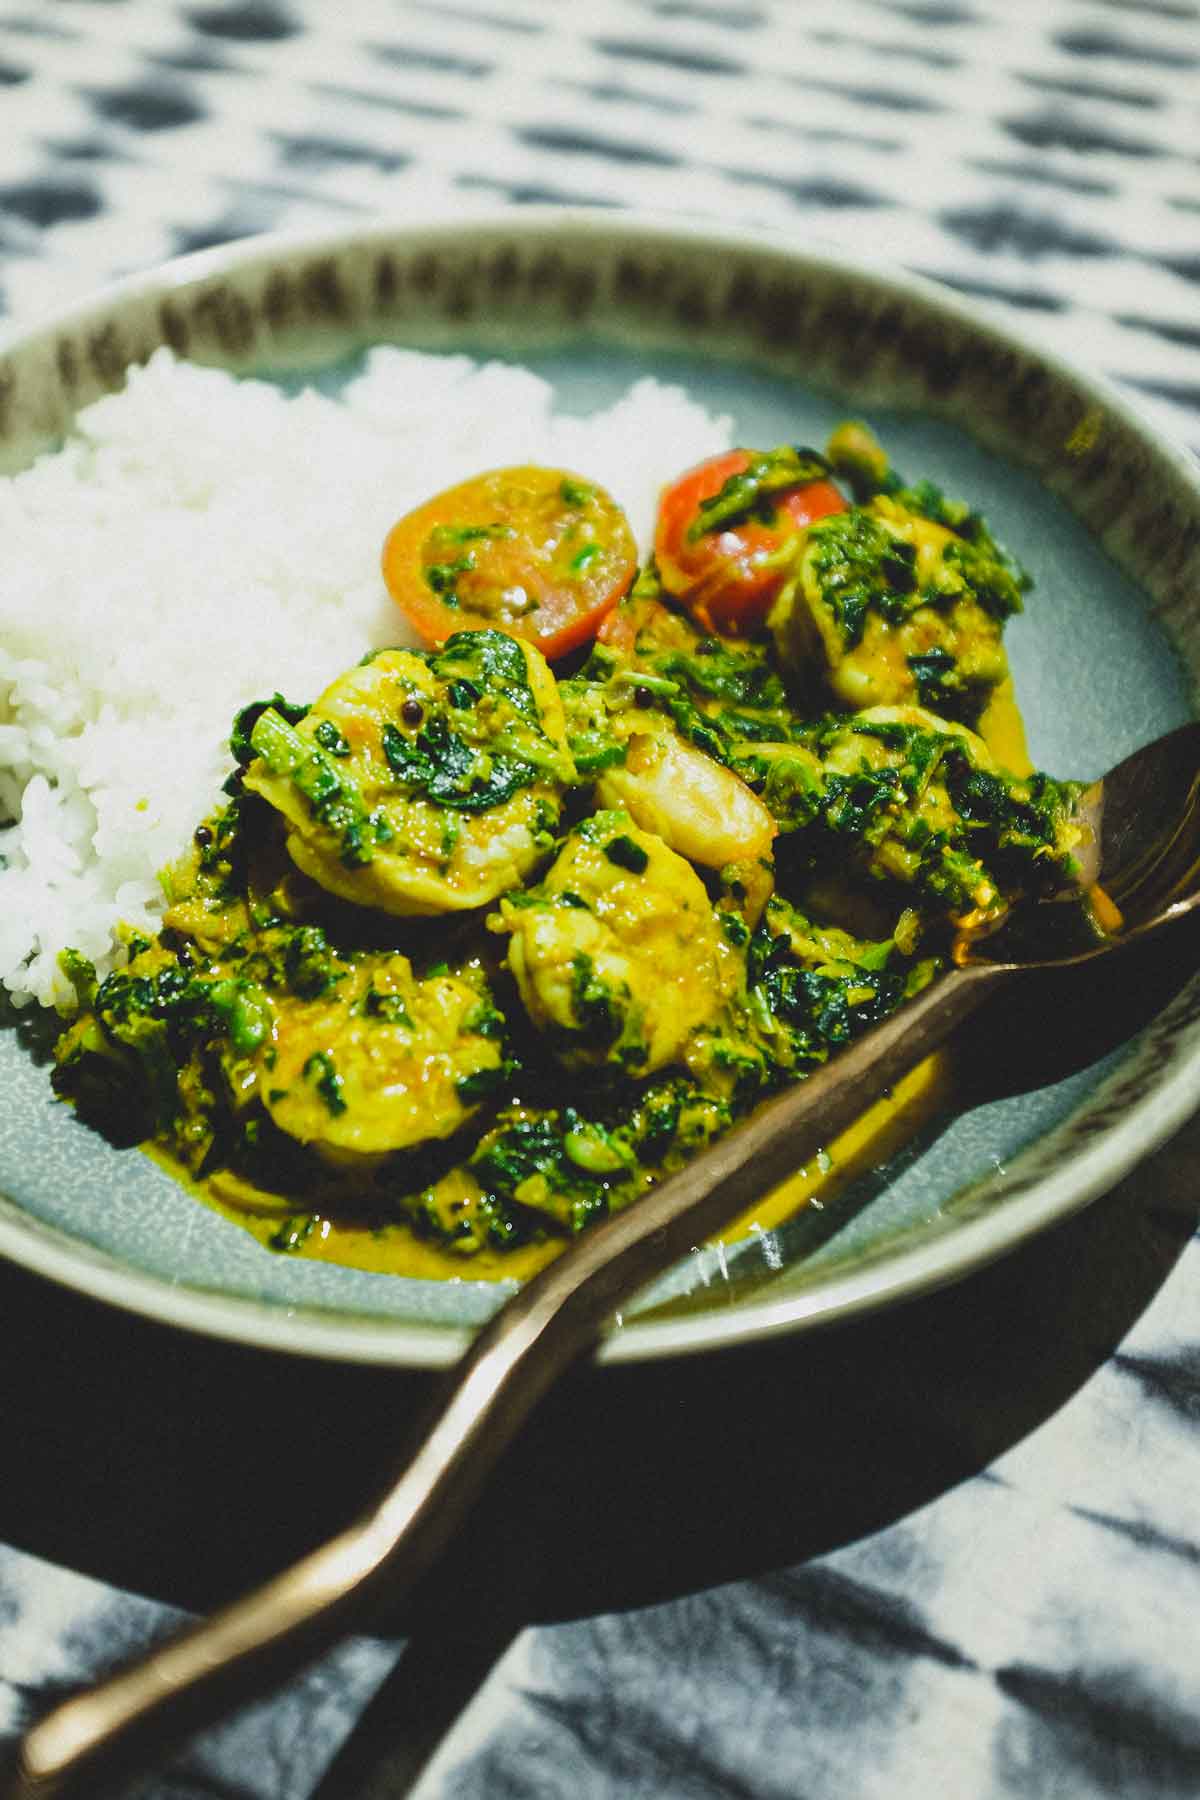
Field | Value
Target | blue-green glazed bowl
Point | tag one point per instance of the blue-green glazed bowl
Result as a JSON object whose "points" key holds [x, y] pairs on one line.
{"points": [[788, 341]]}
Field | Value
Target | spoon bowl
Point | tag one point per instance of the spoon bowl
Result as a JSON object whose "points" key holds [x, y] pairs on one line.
{"points": [[1149, 831], [1144, 820]]}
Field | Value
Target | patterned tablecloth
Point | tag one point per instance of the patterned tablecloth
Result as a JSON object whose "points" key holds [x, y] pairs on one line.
{"points": [[952, 1551]]}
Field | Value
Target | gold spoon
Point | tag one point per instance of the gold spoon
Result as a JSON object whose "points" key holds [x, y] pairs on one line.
{"points": [[1145, 820]]}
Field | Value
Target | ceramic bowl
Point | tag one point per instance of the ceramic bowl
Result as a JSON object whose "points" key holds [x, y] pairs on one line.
{"points": [[1106, 656]]}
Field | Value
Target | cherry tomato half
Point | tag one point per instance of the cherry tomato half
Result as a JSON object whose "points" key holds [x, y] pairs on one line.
{"points": [[540, 553], [729, 576]]}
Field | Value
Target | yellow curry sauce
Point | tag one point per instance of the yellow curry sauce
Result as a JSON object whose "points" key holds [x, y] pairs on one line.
{"points": [[394, 1250]]}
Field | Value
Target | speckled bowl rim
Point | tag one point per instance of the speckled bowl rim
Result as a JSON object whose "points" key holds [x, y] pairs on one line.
{"points": [[1031, 1202]]}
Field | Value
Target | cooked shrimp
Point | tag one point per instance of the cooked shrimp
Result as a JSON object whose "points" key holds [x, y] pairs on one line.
{"points": [[696, 805], [380, 1062], [619, 955], [422, 784]]}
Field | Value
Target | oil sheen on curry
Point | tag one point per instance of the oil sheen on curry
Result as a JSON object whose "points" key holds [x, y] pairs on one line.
{"points": [[494, 934]]}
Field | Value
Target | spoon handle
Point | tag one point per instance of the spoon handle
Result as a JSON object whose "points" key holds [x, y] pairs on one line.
{"points": [[137, 1713]]}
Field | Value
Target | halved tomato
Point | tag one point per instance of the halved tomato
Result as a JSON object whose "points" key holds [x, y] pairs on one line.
{"points": [[540, 553], [729, 572]]}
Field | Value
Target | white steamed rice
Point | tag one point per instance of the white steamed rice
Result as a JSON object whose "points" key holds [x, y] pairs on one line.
{"points": [[201, 541]]}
